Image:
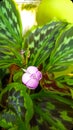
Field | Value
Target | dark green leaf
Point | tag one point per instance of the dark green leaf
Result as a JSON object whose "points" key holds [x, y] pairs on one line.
{"points": [[10, 22], [62, 54], [10, 33], [54, 109], [18, 101], [41, 42]]}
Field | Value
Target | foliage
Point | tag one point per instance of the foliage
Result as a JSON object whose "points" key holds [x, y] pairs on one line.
{"points": [[49, 48]]}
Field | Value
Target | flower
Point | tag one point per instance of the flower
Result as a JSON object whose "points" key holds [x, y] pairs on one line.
{"points": [[31, 77]]}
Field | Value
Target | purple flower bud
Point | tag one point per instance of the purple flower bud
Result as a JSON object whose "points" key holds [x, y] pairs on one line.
{"points": [[38, 75], [32, 77], [32, 69]]}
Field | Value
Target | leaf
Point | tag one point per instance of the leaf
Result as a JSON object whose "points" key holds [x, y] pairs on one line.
{"points": [[41, 41], [60, 125], [69, 80], [47, 117], [35, 128], [53, 128], [10, 22], [11, 121], [17, 75], [62, 53], [18, 101], [10, 34], [61, 97], [13, 128], [71, 90], [4, 63], [49, 107], [64, 115], [5, 124]]}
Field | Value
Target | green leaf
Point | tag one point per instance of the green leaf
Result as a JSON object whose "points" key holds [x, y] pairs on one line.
{"points": [[17, 76], [18, 101], [13, 128], [10, 34], [49, 107], [61, 97], [64, 116], [60, 125], [48, 118], [4, 63], [35, 128], [69, 80], [11, 121], [71, 90], [53, 128], [62, 53], [41, 41], [4, 124], [10, 22]]}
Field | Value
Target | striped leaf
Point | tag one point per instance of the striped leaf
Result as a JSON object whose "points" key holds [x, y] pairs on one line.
{"points": [[41, 42], [10, 23], [55, 111], [62, 54], [10, 34], [18, 104]]}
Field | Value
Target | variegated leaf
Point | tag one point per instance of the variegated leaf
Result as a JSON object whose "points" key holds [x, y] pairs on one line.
{"points": [[10, 34], [18, 104], [10, 22], [55, 111], [62, 54], [41, 42]]}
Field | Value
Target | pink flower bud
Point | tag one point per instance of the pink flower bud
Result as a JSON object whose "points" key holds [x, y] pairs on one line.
{"points": [[31, 69], [32, 77]]}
